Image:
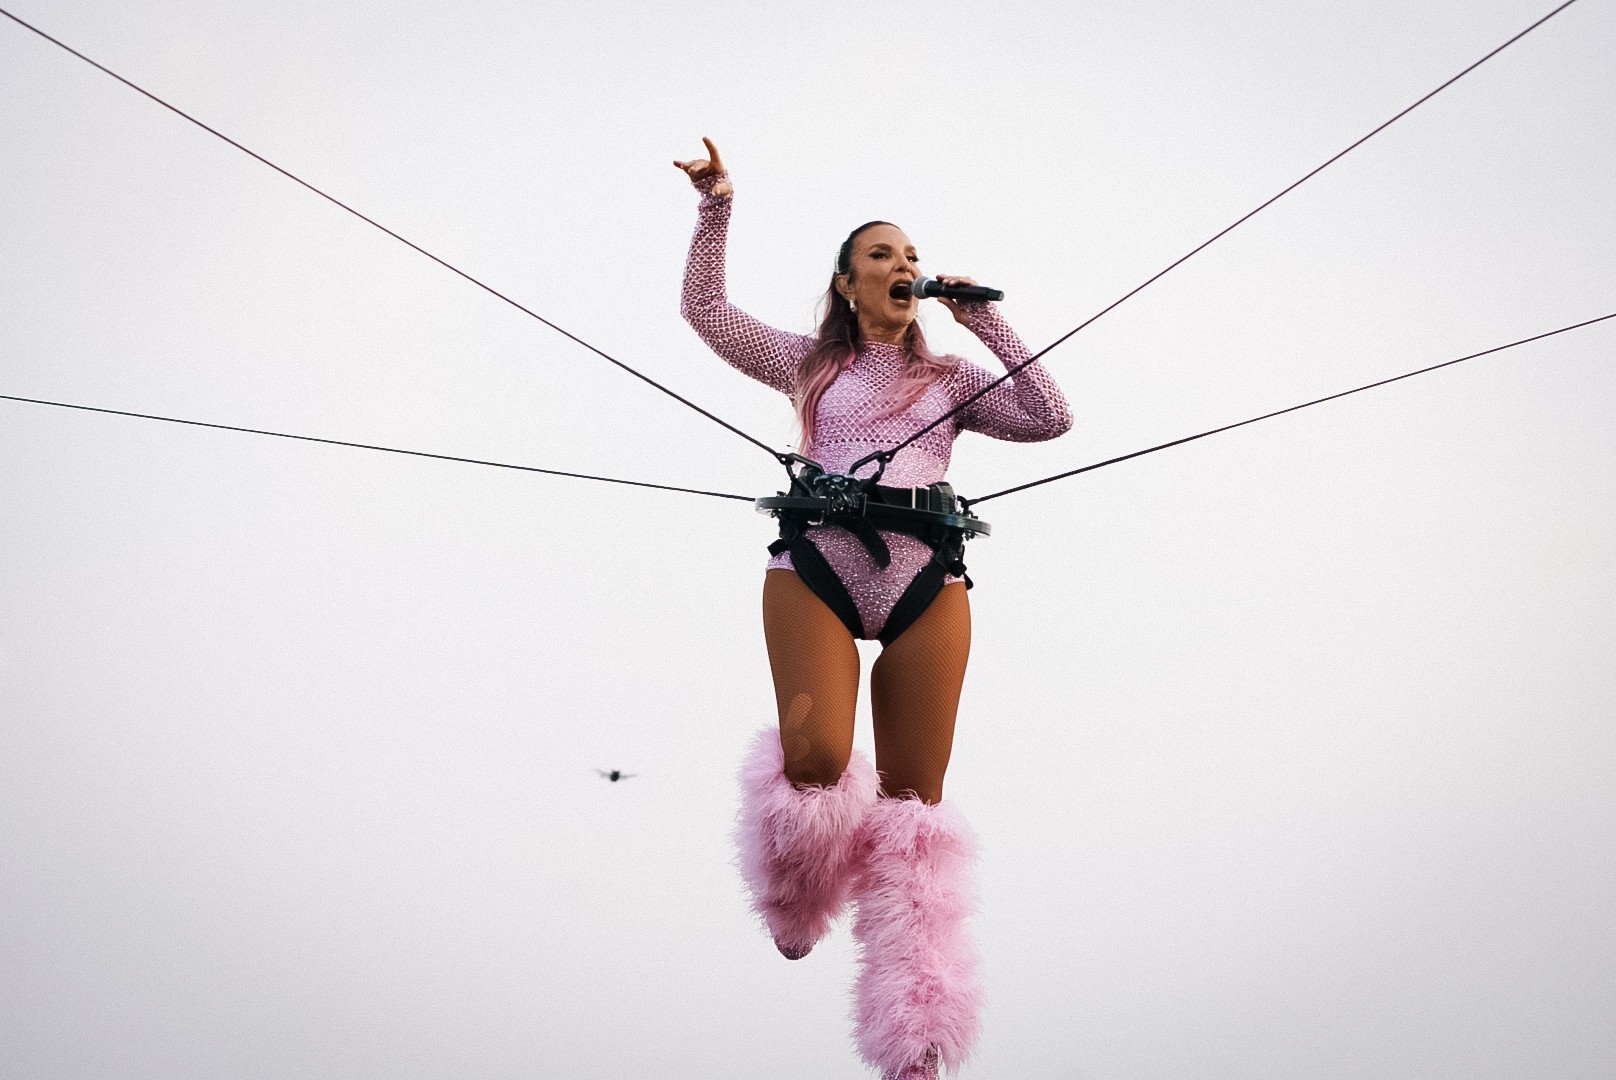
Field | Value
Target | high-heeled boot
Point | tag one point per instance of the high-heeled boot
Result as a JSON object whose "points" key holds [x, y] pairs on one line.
{"points": [[795, 844], [917, 999]]}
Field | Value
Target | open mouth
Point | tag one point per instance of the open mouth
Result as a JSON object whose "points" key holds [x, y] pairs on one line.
{"points": [[901, 292]]}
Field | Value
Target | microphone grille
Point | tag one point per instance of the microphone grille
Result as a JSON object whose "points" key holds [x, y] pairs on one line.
{"points": [[923, 287]]}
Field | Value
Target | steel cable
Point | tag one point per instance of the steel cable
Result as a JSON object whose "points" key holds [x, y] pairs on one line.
{"points": [[887, 455], [408, 243], [1282, 412], [383, 449]]}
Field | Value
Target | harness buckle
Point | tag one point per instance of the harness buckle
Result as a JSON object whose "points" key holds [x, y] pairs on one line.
{"points": [[844, 494], [938, 498]]}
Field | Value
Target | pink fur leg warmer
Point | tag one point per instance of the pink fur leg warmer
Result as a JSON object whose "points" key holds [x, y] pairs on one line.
{"points": [[796, 845], [917, 986]]}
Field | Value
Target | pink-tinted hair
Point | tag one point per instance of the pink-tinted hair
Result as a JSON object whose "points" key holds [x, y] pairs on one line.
{"points": [[837, 343]]}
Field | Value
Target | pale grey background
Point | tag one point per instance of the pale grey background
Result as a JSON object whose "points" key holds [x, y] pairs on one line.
{"points": [[1291, 751]]}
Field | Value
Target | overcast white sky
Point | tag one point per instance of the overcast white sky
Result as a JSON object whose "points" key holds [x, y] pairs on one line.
{"points": [[1291, 750]]}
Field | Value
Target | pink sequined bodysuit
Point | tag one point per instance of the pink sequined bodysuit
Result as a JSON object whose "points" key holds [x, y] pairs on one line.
{"points": [[850, 424]]}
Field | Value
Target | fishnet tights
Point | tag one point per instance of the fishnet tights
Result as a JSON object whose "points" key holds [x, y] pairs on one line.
{"points": [[914, 688]]}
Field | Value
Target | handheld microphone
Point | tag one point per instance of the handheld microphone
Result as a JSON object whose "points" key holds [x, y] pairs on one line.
{"points": [[930, 286]]}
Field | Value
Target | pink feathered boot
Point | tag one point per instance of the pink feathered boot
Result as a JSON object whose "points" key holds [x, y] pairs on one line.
{"points": [[917, 997], [796, 845]]}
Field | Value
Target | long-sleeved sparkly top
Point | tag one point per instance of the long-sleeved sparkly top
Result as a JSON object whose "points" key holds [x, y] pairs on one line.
{"points": [[851, 419]]}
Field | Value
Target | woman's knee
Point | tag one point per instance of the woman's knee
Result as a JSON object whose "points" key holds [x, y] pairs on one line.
{"points": [[926, 786], [817, 764]]}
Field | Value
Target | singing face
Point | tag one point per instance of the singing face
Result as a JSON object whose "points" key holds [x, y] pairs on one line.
{"points": [[883, 265]]}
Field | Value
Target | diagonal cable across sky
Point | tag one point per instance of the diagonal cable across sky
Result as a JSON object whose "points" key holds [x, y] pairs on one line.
{"points": [[524, 309]]}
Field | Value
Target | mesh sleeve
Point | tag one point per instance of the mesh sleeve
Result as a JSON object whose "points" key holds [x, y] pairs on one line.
{"points": [[1028, 407], [752, 347]]}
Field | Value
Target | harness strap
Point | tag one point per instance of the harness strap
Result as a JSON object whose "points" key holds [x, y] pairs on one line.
{"points": [[915, 600], [868, 535], [821, 580]]}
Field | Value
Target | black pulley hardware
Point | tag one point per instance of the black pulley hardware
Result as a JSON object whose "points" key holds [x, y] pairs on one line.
{"points": [[822, 496]]}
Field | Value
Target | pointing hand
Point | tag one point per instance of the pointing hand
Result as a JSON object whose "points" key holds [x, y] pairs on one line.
{"points": [[701, 168]]}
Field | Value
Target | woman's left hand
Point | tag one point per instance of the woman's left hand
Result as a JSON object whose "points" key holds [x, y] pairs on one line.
{"points": [[953, 305]]}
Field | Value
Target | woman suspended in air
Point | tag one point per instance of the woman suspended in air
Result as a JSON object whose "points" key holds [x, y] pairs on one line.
{"points": [[818, 826]]}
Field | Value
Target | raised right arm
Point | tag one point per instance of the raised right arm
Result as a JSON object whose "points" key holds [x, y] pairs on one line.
{"points": [[750, 346]]}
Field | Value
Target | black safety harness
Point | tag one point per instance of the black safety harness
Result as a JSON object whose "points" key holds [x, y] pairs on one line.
{"points": [[932, 514]]}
